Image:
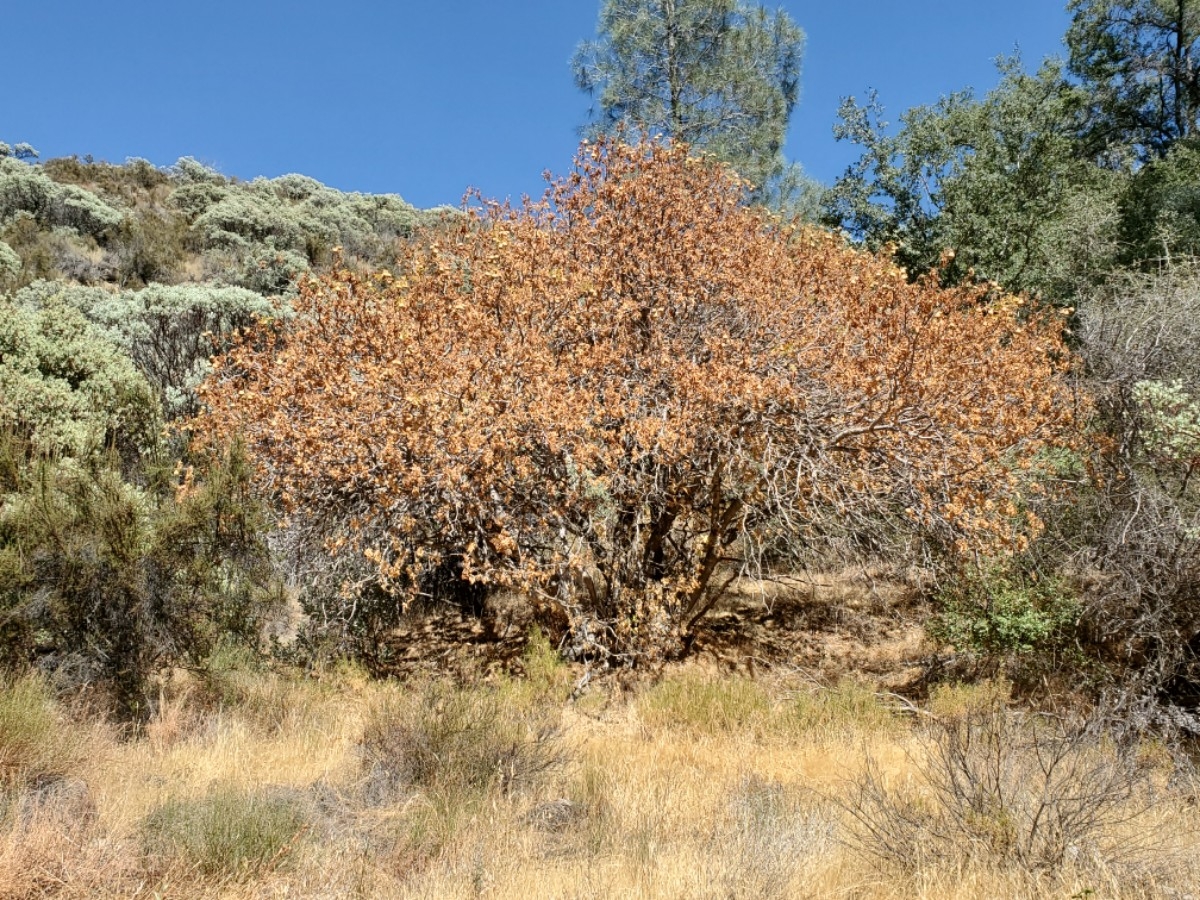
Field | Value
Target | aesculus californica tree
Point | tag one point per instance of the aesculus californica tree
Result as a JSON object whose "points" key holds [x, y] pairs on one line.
{"points": [[613, 398]]}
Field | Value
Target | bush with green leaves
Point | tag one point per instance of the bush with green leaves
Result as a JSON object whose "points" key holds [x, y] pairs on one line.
{"points": [[266, 271], [10, 263], [147, 247], [44, 252], [1172, 422], [132, 184], [1000, 611], [26, 188], [109, 568], [293, 215], [134, 225], [169, 332]]}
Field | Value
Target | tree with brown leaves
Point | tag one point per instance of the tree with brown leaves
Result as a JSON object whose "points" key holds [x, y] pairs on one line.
{"points": [[615, 398]]}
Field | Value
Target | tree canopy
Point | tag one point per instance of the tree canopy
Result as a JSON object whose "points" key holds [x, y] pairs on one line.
{"points": [[1000, 180], [643, 378], [721, 75], [1140, 62]]}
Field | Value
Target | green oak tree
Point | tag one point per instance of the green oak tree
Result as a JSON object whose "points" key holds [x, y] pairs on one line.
{"points": [[1000, 180]]}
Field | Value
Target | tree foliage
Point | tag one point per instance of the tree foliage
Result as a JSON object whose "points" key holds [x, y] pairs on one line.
{"points": [[617, 396], [1140, 63], [719, 74], [1000, 180]]}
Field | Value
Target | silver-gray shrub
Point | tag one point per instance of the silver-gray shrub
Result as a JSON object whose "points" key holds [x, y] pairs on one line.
{"points": [[65, 388], [170, 332], [292, 213], [10, 262], [26, 188]]}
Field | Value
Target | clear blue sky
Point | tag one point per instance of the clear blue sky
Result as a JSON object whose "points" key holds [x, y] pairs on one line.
{"points": [[426, 99]]}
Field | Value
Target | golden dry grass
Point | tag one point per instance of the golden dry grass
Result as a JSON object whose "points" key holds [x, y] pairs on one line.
{"points": [[702, 785]]}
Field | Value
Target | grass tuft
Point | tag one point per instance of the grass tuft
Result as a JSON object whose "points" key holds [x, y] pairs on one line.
{"points": [[707, 705], [444, 738], [229, 832], [35, 743]]}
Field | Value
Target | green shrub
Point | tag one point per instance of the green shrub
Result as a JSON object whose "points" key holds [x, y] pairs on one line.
{"points": [[74, 207], [65, 388], [46, 252], [170, 332], [230, 832], [111, 582], [243, 218], [270, 272], [147, 247], [294, 216], [23, 188], [192, 197], [137, 182], [1172, 422], [10, 264], [997, 612], [27, 188]]}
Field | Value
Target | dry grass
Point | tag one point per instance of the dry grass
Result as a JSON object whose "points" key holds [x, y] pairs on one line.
{"points": [[702, 785]]}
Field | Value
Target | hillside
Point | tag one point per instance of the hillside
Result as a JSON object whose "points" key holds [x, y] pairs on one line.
{"points": [[127, 226]]}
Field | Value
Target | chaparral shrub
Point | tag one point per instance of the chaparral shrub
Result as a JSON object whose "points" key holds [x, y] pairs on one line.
{"points": [[615, 397]]}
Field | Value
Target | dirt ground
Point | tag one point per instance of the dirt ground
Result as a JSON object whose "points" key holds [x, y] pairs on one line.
{"points": [[825, 626]]}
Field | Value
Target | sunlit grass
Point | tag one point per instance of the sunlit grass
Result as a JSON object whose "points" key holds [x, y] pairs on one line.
{"points": [[701, 785]]}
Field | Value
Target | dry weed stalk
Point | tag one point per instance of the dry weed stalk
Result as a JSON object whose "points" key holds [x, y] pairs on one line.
{"points": [[996, 786]]}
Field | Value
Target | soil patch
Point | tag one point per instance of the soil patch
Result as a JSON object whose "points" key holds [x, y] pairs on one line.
{"points": [[825, 625]]}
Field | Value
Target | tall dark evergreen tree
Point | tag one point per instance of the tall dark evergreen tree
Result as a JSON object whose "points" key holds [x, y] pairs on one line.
{"points": [[722, 75], [1140, 61]]}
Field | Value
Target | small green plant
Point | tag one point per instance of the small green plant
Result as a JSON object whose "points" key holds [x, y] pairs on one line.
{"points": [[230, 832], [547, 678], [847, 707], [996, 612]]}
